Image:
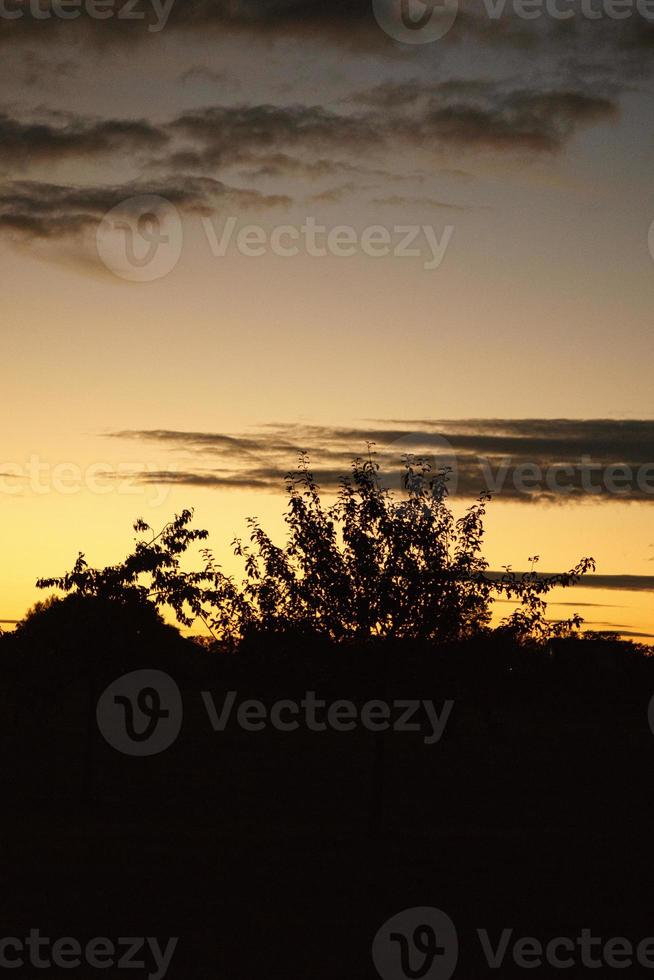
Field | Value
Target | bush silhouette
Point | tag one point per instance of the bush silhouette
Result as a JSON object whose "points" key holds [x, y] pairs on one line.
{"points": [[370, 566], [80, 622]]}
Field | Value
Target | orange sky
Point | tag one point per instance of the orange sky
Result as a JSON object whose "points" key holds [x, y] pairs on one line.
{"points": [[531, 145]]}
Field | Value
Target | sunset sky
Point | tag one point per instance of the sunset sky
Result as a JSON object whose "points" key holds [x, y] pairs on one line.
{"points": [[525, 147]]}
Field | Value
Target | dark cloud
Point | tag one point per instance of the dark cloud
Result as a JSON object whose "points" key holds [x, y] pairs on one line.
{"points": [[23, 142], [37, 210], [400, 200], [202, 74], [351, 24], [618, 583], [526, 124], [222, 135], [347, 24], [276, 165], [332, 195], [311, 141], [620, 633], [479, 114], [475, 116], [317, 143], [552, 461], [618, 47], [34, 67], [344, 22], [312, 18]]}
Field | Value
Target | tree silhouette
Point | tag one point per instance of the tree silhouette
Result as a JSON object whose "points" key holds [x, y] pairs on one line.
{"points": [[368, 566]]}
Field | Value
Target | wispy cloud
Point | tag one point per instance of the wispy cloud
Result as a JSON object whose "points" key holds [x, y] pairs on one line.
{"points": [[520, 460], [31, 140], [617, 583], [37, 210]]}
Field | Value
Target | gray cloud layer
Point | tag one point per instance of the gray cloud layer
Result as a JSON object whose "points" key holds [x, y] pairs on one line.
{"points": [[311, 141], [347, 24], [37, 210], [474, 115], [520, 460], [471, 116], [25, 141]]}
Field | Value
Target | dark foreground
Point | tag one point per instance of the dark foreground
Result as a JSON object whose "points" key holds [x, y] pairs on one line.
{"points": [[281, 854]]}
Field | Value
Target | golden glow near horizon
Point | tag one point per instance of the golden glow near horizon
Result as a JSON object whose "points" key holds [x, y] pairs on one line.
{"points": [[71, 507], [538, 307]]}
